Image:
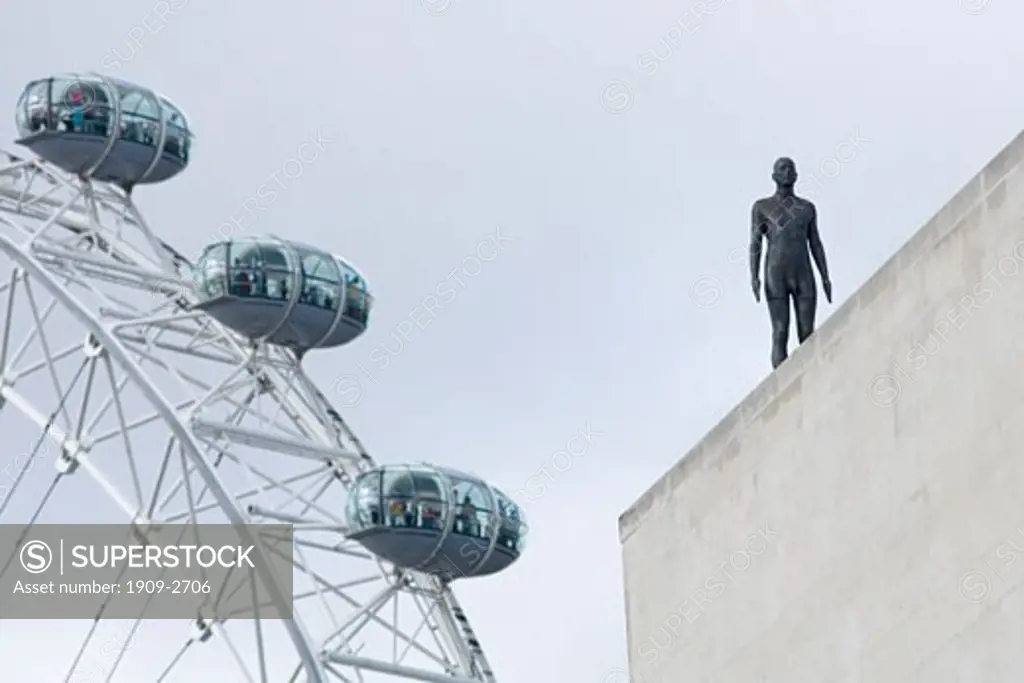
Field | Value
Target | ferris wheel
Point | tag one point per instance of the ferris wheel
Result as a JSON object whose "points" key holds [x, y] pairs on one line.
{"points": [[140, 387]]}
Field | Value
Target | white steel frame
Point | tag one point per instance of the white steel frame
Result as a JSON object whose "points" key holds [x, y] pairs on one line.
{"points": [[86, 247]]}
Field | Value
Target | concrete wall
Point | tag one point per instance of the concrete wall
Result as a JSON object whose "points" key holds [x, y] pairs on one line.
{"points": [[860, 516]]}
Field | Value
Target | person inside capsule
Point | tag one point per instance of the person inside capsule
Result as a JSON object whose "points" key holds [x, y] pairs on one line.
{"points": [[86, 110], [466, 521]]}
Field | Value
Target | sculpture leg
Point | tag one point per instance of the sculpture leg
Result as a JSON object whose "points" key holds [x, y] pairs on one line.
{"points": [[806, 306], [778, 309]]}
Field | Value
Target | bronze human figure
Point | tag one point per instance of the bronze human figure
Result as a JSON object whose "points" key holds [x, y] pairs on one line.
{"points": [[790, 224]]}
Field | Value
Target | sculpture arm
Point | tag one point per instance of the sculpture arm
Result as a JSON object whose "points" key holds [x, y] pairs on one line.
{"points": [[817, 248], [756, 237]]}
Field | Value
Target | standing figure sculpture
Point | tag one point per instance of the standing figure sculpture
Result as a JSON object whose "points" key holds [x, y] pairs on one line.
{"points": [[790, 225]]}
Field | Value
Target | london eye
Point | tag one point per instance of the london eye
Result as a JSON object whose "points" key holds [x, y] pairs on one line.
{"points": [[167, 389]]}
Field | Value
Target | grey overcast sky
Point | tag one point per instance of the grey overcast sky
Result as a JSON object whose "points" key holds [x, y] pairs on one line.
{"points": [[618, 147]]}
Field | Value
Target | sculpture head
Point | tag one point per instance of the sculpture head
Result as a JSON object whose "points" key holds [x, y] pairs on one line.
{"points": [[784, 172]]}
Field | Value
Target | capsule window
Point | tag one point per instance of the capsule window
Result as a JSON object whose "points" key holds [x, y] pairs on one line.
{"points": [[353, 511], [510, 528], [430, 499], [276, 272], [321, 280], [472, 509], [277, 276], [365, 502], [245, 264], [176, 142], [213, 271], [398, 488], [79, 106], [259, 271], [521, 537], [33, 114], [414, 498], [140, 117], [357, 299]]}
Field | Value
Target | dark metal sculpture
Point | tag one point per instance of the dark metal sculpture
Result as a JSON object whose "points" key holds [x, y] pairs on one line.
{"points": [[790, 225]]}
